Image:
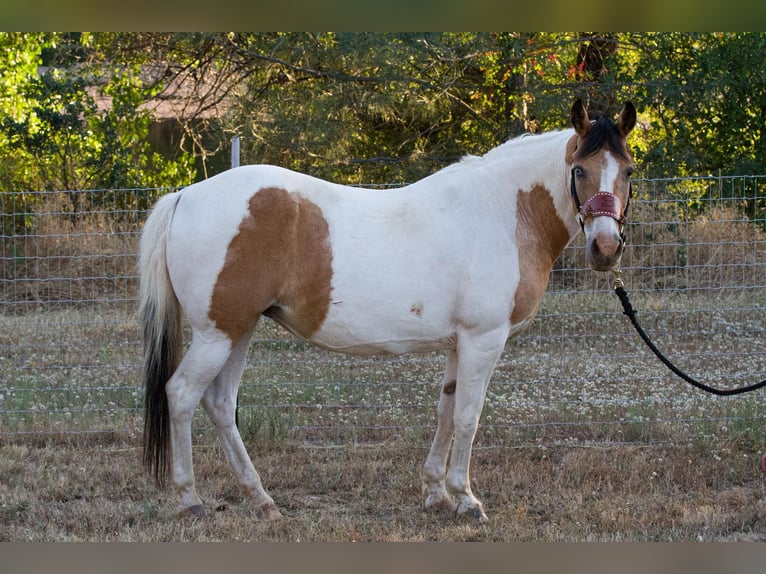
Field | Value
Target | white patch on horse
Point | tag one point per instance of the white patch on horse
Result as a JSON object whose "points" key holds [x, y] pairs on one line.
{"points": [[610, 170]]}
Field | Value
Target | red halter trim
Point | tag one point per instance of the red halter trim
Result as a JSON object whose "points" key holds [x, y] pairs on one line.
{"points": [[603, 203]]}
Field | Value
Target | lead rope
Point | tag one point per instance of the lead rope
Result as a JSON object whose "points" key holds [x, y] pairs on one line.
{"points": [[619, 289]]}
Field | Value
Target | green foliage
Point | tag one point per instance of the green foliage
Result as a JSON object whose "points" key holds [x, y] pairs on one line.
{"points": [[705, 101], [365, 107], [19, 59], [701, 95], [54, 136]]}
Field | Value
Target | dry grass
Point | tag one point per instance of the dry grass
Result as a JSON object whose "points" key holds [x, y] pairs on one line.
{"points": [[718, 248], [66, 258], [372, 493]]}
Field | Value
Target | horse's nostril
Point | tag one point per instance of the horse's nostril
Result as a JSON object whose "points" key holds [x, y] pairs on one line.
{"points": [[594, 248], [607, 245]]}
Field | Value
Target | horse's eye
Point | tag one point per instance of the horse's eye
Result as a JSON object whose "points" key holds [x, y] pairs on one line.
{"points": [[578, 171], [629, 172]]}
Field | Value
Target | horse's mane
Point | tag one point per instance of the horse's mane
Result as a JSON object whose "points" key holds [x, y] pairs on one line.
{"points": [[527, 138], [603, 133]]}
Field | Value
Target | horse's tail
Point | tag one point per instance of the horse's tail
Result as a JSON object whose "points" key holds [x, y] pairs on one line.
{"points": [[160, 316]]}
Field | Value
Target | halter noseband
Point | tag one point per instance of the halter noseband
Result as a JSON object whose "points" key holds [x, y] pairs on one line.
{"points": [[602, 203]]}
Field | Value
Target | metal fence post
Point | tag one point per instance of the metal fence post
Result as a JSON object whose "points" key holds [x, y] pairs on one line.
{"points": [[235, 151]]}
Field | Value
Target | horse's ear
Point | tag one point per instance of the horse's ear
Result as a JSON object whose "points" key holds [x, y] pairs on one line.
{"points": [[627, 119], [579, 118]]}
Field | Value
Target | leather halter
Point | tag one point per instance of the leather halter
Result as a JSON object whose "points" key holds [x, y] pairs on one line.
{"points": [[602, 203]]}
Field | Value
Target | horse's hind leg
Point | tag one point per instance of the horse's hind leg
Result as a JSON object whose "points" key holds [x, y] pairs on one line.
{"points": [[436, 463], [220, 401], [184, 390]]}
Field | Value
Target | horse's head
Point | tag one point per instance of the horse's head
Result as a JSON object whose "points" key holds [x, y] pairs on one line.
{"points": [[601, 165]]}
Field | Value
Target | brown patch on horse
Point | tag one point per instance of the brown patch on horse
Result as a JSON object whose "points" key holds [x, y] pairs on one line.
{"points": [[279, 264], [449, 387], [541, 237]]}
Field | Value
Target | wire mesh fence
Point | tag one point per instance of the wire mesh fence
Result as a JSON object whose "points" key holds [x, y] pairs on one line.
{"points": [[695, 267]]}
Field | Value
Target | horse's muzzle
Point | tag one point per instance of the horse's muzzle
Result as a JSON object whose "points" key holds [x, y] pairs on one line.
{"points": [[604, 250]]}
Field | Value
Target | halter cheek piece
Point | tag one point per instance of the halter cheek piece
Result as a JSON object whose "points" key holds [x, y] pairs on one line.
{"points": [[602, 203]]}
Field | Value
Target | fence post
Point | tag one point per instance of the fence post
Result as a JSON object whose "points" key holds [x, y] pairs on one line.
{"points": [[235, 151]]}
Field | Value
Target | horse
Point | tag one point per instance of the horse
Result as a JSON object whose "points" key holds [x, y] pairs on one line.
{"points": [[457, 261]]}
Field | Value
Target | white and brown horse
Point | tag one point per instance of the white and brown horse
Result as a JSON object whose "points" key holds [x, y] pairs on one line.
{"points": [[456, 261]]}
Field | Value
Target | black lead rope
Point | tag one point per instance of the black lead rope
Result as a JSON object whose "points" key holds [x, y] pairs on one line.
{"points": [[619, 289]]}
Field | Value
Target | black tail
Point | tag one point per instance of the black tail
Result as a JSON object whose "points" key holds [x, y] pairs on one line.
{"points": [[160, 316], [162, 356]]}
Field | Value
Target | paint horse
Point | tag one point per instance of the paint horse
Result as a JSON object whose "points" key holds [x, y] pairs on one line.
{"points": [[456, 261]]}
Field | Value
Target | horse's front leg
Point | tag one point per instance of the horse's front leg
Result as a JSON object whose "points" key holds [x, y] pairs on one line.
{"points": [[476, 359]]}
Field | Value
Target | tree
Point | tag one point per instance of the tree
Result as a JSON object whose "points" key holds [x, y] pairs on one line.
{"points": [[20, 56], [366, 107], [54, 136], [705, 96], [378, 107]]}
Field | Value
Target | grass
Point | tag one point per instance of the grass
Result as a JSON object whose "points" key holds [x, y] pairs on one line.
{"points": [[76, 371], [372, 493], [566, 450]]}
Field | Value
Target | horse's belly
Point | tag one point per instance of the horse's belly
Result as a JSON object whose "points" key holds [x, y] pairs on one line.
{"points": [[383, 347], [377, 331]]}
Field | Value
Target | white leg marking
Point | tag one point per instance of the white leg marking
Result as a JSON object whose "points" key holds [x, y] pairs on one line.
{"points": [[199, 366]]}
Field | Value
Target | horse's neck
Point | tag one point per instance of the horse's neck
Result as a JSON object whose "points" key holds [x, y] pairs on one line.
{"points": [[544, 153], [492, 183], [533, 161]]}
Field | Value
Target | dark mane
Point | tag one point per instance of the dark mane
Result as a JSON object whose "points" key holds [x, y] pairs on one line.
{"points": [[603, 133]]}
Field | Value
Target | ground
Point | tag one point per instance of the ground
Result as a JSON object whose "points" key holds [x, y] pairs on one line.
{"points": [[92, 492]]}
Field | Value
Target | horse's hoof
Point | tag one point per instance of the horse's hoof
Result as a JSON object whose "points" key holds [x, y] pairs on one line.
{"points": [[196, 511], [268, 511], [473, 512], [479, 515], [439, 504]]}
